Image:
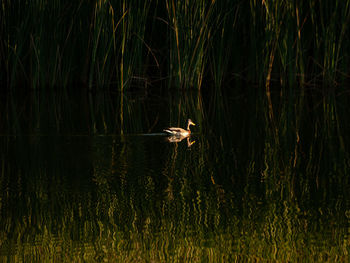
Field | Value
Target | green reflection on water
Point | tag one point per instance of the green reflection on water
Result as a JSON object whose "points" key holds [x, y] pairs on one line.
{"points": [[237, 194]]}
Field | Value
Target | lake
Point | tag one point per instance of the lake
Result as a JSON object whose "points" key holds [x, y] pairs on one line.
{"points": [[91, 177]]}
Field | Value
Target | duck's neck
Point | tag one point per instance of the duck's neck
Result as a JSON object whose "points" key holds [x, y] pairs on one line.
{"points": [[188, 126]]}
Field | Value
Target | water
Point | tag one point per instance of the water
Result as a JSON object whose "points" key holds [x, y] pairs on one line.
{"points": [[237, 192]]}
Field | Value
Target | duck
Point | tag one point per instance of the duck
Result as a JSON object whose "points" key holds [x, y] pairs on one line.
{"points": [[175, 131]]}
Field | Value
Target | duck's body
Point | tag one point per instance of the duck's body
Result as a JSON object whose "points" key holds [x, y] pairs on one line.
{"points": [[175, 131]]}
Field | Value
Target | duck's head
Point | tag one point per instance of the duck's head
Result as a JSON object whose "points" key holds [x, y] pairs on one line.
{"points": [[190, 122]]}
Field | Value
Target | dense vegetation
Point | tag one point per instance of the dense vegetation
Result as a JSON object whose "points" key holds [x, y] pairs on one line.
{"points": [[98, 43]]}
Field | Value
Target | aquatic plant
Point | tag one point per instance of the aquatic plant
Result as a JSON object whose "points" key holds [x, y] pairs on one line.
{"points": [[59, 43]]}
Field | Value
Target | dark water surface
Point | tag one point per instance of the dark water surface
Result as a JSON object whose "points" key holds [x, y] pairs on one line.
{"points": [[242, 191]]}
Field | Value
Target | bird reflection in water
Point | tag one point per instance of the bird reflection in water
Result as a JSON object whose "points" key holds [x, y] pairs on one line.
{"points": [[175, 138]]}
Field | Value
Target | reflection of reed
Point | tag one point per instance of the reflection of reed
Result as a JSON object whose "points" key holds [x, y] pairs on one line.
{"points": [[176, 139], [238, 193]]}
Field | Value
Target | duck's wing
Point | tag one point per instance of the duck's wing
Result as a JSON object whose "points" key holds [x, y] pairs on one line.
{"points": [[174, 130]]}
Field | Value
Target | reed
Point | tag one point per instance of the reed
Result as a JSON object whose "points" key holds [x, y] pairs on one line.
{"points": [[68, 42], [113, 42], [190, 29], [118, 42], [222, 43]]}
